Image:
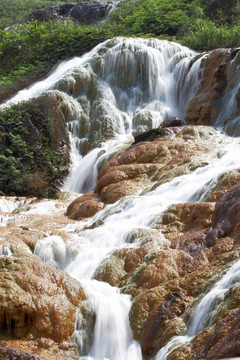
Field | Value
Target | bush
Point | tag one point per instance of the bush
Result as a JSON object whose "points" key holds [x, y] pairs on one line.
{"points": [[205, 35], [26, 150], [16, 11], [157, 17]]}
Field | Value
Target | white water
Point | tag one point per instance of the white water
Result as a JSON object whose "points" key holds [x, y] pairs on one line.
{"points": [[202, 315], [5, 250], [123, 86], [12, 204], [229, 107], [81, 256]]}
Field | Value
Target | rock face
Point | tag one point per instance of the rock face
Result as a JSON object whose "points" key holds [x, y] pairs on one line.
{"points": [[7, 352], [157, 158], [36, 298], [165, 267], [169, 265], [84, 206], [39, 142], [217, 88], [39, 304], [187, 247], [86, 12]]}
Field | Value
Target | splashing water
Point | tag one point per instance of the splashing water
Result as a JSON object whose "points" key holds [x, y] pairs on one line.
{"points": [[122, 87], [201, 317], [119, 89], [5, 250], [119, 220]]}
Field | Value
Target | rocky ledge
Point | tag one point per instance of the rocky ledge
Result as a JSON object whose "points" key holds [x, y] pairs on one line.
{"points": [[184, 252], [173, 262], [86, 12]]}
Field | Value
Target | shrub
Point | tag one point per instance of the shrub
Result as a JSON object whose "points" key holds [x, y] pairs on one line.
{"points": [[205, 35]]}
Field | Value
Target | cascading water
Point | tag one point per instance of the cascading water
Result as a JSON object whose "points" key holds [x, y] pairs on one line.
{"points": [[122, 87], [112, 335], [201, 317]]}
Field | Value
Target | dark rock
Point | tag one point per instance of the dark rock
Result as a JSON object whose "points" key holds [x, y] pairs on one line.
{"points": [[94, 225], [171, 307], [10, 353], [90, 12], [150, 135], [50, 13], [87, 12], [226, 219], [173, 121]]}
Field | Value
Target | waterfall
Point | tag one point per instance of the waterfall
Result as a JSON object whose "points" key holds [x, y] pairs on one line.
{"points": [[201, 317], [112, 335], [121, 88]]}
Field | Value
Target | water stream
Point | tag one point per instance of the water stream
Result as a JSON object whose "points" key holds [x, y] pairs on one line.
{"points": [[112, 335], [121, 88], [201, 317]]}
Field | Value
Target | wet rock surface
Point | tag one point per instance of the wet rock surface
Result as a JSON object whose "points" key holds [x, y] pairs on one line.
{"points": [[165, 268], [184, 252], [39, 303], [84, 206], [86, 12], [148, 163], [7, 352], [217, 87]]}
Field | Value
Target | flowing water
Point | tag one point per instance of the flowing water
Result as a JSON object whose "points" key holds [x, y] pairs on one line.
{"points": [[122, 87], [80, 258], [119, 89], [202, 315]]}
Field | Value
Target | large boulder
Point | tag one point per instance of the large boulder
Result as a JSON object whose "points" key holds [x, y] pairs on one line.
{"points": [[218, 87], [36, 298], [84, 206]]}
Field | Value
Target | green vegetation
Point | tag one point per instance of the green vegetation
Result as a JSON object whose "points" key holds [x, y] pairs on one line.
{"points": [[16, 11], [16, 156], [206, 35], [168, 18], [29, 51], [34, 47], [22, 145]]}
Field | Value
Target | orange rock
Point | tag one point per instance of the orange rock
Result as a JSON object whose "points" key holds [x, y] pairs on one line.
{"points": [[37, 299], [85, 206], [157, 161], [203, 107]]}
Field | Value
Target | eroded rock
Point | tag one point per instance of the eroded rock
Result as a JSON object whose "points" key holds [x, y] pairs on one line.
{"points": [[85, 206]]}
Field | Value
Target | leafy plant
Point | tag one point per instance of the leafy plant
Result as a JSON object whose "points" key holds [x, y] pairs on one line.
{"points": [[205, 35], [26, 149]]}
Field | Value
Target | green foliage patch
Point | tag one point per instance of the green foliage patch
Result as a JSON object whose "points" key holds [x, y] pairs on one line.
{"points": [[22, 145], [30, 49], [16, 157], [37, 46], [16, 11], [205, 35], [163, 17]]}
